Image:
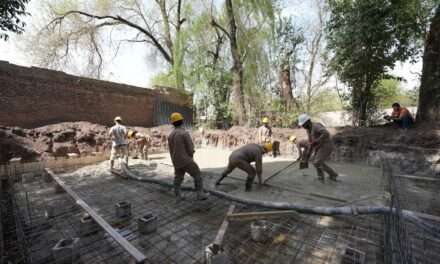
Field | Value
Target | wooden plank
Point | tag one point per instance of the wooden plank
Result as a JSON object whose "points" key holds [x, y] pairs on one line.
{"points": [[250, 216], [222, 231], [134, 252]]}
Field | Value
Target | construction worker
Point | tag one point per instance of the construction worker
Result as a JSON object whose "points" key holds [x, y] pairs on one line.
{"points": [[142, 143], [321, 144], [302, 146], [182, 151], [118, 134], [241, 158], [264, 133], [400, 116]]}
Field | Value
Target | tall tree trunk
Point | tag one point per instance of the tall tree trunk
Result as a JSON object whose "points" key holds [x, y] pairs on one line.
{"points": [[429, 96], [237, 95], [286, 86]]}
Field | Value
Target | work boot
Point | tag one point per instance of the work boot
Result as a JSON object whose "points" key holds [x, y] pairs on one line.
{"points": [[320, 175], [249, 182]]}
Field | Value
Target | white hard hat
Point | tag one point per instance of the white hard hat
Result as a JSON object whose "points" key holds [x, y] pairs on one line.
{"points": [[302, 119]]}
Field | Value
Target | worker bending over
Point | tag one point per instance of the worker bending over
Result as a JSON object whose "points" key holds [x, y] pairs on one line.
{"points": [[302, 146], [264, 133], [118, 134], [182, 151], [142, 143], [241, 158], [320, 143], [400, 116]]}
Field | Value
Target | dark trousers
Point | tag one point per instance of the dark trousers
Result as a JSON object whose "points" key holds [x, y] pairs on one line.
{"points": [[193, 170], [406, 122], [242, 165]]}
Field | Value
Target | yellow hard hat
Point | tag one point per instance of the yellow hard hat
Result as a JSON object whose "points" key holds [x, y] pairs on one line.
{"points": [[175, 117], [265, 120], [268, 147], [292, 138], [131, 133], [118, 118]]}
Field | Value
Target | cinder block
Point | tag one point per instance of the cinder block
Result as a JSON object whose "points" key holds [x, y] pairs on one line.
{"points": [[88, 226], [66, 251], [123, 209], [147, 224]]}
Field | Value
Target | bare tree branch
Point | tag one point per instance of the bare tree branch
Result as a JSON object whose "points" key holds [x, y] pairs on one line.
{"points": [[154, 40]]}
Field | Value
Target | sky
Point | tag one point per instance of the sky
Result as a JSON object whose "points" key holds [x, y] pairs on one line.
{"points": [[134, 64]]}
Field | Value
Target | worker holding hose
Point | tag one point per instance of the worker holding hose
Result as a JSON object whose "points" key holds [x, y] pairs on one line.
{"points": [[321, 144], [241, 158], [182, 151]]}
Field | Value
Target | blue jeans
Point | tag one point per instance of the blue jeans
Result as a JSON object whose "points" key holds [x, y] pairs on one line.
{"points": [[406, 122]]}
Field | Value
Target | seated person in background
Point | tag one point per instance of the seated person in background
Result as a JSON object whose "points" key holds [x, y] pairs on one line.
{"points": [[400, 116]]}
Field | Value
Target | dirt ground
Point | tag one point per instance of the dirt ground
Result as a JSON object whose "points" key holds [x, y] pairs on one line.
{"points": [[85, 137]]}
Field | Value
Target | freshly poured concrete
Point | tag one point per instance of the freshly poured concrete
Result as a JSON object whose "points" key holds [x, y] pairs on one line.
{"points": [[357, 184]]}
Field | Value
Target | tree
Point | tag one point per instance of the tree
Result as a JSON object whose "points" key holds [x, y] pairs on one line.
{"points": [[288, 41], [11, 12], [83, 24], [366, 38], [429, 97], [260, 10]]}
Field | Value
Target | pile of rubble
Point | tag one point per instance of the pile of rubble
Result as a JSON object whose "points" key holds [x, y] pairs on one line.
{"points": [[59, 139]]}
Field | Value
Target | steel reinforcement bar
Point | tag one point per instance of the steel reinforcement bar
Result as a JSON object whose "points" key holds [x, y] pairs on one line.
{"points": [[125, 244]]}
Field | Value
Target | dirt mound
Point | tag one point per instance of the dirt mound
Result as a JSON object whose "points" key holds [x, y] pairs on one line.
{"points": [[69, 137]]}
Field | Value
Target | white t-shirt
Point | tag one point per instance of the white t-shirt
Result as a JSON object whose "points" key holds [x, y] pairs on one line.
{"points": [[118, 134]]}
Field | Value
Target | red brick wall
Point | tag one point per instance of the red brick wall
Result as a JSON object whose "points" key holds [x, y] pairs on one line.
{"points": [[31, 97]]}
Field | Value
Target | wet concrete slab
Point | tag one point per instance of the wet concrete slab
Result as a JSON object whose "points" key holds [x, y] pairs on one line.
{"points": [[357, 184]]}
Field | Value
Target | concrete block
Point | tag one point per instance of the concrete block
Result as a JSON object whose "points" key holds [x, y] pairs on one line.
{"points": [[123, 209], [66, 251], [88, 226], [260, 231], [147, 224], [216, 255]]}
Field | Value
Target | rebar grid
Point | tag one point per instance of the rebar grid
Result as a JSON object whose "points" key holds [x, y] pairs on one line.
{"points": [[186, 228], [405, 242]]}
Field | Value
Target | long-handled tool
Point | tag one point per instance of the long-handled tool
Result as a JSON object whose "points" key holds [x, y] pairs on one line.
{"points": [[278, 172]]}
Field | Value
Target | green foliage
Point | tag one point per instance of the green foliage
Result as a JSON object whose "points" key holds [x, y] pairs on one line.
{"points": [[326, 101], [366, 38], [389, 91], [164, 79], [11, 13]]}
